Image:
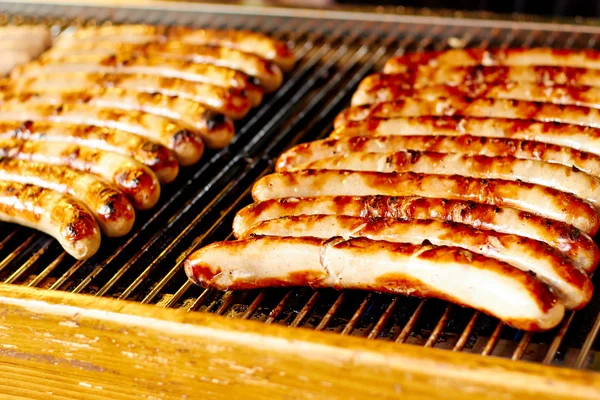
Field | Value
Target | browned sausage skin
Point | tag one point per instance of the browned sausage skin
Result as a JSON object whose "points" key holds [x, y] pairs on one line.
{"points": [[449, 273], [246, 41], [158, 158], [187, 146], [587, 58], [423, 75], [132, 178], [558, 94], [464, 144], [575, 244], [169, 68], [474, 107], [559, 177], [268, 74], [572, 285], [215, 129], [59, 215], [110, 207], [540, 200], [231, 102], [581, 138]]}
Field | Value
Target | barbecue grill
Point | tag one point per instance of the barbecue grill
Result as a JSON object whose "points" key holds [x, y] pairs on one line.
{"points": [[335, 49]]}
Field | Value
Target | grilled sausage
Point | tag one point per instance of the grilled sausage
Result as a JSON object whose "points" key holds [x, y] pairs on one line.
{"points": [[572, 136], [187, 146], [587, 96], [134, 179], [130, 33], [216, 130], [540, 200], [537, 74], [246, 41], [110, 207], [465, 144], [28, 39], [268, 74], [158, 158], [575, 244], [186, 70], [233, 103], [449, 273], [57, 214], [469, 107], [556, 176], [489, 57], [573, 286]]}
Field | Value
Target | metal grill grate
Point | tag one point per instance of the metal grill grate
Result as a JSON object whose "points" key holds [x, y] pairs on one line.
{"points": [[199, 207]]}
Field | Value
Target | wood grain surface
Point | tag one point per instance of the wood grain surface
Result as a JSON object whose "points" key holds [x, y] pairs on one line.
{"points": [[81, 347]]}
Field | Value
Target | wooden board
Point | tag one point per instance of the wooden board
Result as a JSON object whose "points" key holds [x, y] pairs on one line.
{"points": [[76, 346]]}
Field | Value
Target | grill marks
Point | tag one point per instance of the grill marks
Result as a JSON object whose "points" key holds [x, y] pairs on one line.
{"points": [[109, 114], [460, 156]]}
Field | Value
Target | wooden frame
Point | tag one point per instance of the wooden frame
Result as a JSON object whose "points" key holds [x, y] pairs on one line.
{"points": [[78, 346]]}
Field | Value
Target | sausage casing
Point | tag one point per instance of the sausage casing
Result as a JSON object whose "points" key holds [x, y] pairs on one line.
{"points": [[231, 102], [215, 129], [581, 138], [576, 245], [469, 107], [268, 74], [448, 273], [544, 201], [134, 179], [158, 158], [445, 75], [59, 215], [587, 58], [169, 68], [548, 264], [464, 144], [587, 96], [187, 146], [110, 207], [556, 176]]}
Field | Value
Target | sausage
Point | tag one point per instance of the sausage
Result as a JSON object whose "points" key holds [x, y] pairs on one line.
{"points": [[268, 74], [246, 41], [536, 199], [465, 144], [187, 146], [134, 179], [215, 129], [581, 138], [576, 245], [169, 68], [448, 273], [556, 176], [233, 103], [587, 58], [536, 74], [572, 285], [110, 207], [28, 39], [158, 158], [59, 215], [479, 107], [20, 44], [130, 33], [587, 96]]}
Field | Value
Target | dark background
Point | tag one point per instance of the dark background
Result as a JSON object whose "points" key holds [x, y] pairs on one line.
{"points": [[564, 8]]}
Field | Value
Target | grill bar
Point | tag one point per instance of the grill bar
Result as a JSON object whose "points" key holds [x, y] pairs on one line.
{"points": [[146, 266]]}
